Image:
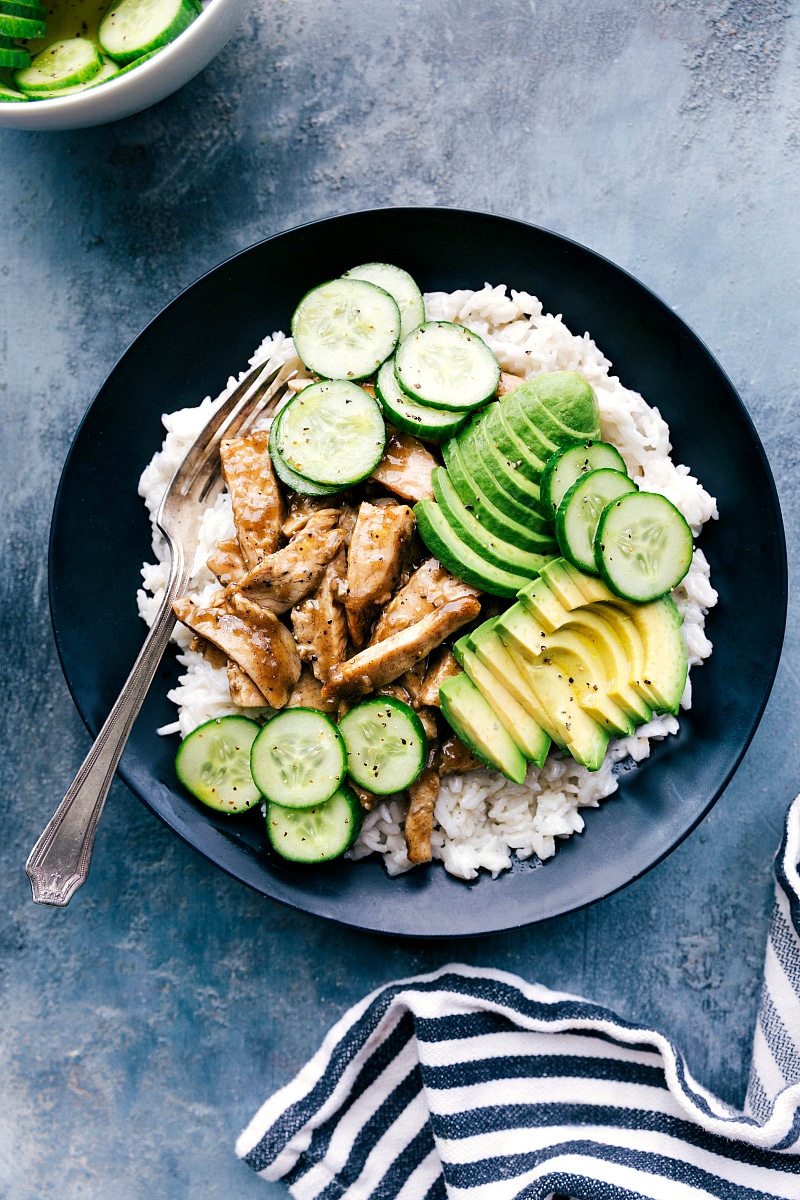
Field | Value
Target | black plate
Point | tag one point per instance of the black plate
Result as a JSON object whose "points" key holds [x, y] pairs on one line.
{"points": [[100, 537]]}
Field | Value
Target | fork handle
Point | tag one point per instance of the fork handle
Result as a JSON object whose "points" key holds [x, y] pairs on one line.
{"points": [[59, 862]]}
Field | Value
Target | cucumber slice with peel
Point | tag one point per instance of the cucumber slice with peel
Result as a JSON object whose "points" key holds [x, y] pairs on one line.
{"points": [[213, 763], [106, 72], [61, 65], [8, 95], [431, 424], [346, 328], [318, 834], [579, 512], [400, 285], [332, 433], [133, 28], [12, 55], [571, 462], [643, 546], [31, 12], [298, 759], [21, 27], [287, 476], [386, 745], [445, 365]]}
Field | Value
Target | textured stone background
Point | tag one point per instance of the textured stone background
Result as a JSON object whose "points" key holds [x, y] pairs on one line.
{"points": [[140, 1028]]}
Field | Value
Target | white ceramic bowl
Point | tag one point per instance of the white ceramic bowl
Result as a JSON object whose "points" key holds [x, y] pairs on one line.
{"points": [[149, 83]]}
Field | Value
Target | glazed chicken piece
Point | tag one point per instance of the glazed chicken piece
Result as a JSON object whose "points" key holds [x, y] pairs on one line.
{"points": [[282, 579], [243, 691], [391, 658], [320, 622], [227, 563], [374, 562], [255, 497], [262, 646], [300, 509], [429, 587], [406, 467], [508, 383], [307, 693], [453, 757], [441, 667], [423, 795]]}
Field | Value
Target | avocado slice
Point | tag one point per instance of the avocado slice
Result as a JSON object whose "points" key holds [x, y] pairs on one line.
{"points": [[493, 549], [574, 655], [566, 397], [586, 740], [510, 446], [546, 608], [528, 535], [507, 469], [621, 676], [477, 724], [527, 733], [453, 553], [488, 647]]}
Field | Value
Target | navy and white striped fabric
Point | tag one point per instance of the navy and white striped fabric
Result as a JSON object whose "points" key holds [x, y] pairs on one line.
{"points": [[471, 1084]]}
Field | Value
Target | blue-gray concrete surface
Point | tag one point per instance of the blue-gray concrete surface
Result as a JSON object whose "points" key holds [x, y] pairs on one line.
{"points": [[142, 1026]]}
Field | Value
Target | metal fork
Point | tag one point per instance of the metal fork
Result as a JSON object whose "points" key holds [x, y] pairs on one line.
{"points": [[59, 862]]}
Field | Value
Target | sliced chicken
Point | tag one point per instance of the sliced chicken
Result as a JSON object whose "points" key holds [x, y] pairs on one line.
{"points": [[308, 694], [430, 586], [227, 563], [419, 820], [367, 798], [441, 667], [300, 509], [243, 691], [382, 664], [406, 467], [288, 576], [508, 383], [320, 621], [255, 496], [263, 648], [210, 653], [374, 562], [453, 757]]}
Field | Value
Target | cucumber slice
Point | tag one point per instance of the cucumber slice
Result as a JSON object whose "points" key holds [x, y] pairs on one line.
{"points": [[643, 546], [21, 27], [346, 328], [318, 834], [287, 476], [400, 285], [386, 745], [332, 433], [137, 62], [107, 71], [567, 466], [13, 56], [459, 558], [8, 94], [579, 512], [133, 28], [213, 763], [447, 366], [298, 759], [477, 724], [432, 424], [61, 65]]}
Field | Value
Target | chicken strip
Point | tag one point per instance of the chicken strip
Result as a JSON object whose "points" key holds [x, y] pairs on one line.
{"points": [[430, 586], [227, 563], [300, 509], [453, 757], [374, 562], [382, 664], [308, 694], [243, 691], [422, 794], [288, 576], [406, 467], [264, 649], [320, 622], [441, 667], [255, 496]]}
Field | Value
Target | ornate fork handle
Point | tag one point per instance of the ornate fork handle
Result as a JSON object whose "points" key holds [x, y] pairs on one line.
{"points": [[59, 862]]}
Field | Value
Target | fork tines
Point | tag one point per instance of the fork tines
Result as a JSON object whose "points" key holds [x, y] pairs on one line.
{"points": [[264, 386]]}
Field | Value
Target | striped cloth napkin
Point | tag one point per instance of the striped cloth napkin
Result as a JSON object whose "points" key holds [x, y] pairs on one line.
{"points": [[471, 1084]]}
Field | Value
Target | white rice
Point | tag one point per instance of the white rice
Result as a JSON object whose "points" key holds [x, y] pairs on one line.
{"points": [[481, 819]]}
